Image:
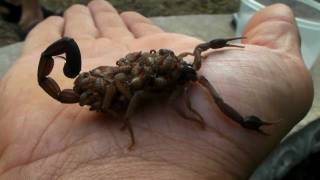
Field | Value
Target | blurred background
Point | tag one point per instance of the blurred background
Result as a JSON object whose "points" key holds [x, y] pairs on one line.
{"points": [[18, 17], [10, 32]]}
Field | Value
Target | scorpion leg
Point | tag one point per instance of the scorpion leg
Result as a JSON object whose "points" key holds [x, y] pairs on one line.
{"points": [[71, 69], [109, 94], [249, 122], [134, 103], [188, 102], [132, 107], [184, 91], [213, 44], [120, 83], [128, 125]]}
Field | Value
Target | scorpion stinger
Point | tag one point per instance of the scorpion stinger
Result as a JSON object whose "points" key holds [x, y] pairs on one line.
{"points": [[71, 69]]}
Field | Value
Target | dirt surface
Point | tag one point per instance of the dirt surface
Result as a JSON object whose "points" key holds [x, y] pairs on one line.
{"points": [[9, 31]]}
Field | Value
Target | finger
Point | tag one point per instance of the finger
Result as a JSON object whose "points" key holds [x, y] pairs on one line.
{"points": [[139, 25], [274, 27], [79, 23], [108, 21], [44, 34]]}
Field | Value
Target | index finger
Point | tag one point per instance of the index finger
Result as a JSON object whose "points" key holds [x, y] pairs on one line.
{"points": [[108, 21]]}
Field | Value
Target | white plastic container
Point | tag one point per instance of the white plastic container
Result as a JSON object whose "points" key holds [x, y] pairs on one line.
{"points": [[309, 27]]}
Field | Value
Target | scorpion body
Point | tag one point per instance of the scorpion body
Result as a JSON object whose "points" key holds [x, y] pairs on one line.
{"points": [[111, 88], [119, 90]]}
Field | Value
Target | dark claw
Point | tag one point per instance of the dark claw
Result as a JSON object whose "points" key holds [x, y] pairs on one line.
{"points": [[220, 43], [213, 44], [249, 122]]}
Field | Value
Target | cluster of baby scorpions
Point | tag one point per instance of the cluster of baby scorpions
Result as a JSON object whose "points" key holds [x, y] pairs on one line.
{"points": [[119, 90]]}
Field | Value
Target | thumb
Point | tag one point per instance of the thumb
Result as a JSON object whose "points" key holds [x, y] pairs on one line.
{"points": [[274, 27]]}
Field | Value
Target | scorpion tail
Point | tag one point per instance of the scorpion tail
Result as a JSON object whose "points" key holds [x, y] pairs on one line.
{"points": [[71, 69]]}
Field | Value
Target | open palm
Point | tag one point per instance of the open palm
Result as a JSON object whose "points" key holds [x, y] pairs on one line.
{"points": [[44, 139]]}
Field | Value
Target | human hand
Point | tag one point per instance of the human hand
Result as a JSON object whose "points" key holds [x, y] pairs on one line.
{"points": [[44, 139]]}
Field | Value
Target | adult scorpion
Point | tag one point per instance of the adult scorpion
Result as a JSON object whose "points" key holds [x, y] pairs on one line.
{"points": [[119, 90]]}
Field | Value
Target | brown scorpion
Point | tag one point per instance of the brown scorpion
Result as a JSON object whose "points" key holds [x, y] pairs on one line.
{"points": [[119, 90]]}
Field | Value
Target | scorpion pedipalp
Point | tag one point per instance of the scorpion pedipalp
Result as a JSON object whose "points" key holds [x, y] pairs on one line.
{"points": [[213, 44], [71, 69]]}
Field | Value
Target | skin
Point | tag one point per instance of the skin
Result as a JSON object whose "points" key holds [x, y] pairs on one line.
{"points": [[43, 139]]}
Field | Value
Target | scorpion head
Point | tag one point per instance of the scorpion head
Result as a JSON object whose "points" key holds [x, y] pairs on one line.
{"points": [[188, 73]]}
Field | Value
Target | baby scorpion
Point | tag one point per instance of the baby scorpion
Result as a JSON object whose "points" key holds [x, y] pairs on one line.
{"points": [[119, 90]]}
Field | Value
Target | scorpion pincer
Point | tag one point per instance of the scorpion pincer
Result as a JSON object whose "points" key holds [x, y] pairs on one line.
{"points": [[119, 90]]}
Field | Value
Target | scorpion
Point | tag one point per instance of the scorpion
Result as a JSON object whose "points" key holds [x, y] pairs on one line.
{"points": [[119, 90]]}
